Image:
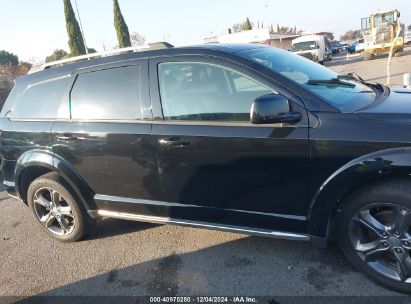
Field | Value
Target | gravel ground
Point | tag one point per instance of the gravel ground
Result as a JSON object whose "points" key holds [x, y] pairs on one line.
{"points": [[129, 258], [374, 70]]}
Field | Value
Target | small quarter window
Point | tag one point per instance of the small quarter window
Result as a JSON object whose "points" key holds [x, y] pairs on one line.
{"points": [[112, 94]]}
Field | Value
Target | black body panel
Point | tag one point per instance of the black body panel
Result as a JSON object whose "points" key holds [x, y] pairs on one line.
{"points": [[287, 177]]}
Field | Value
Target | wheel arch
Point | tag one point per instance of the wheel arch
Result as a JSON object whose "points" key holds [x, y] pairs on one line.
{"points": [[375, 167], [35, 163]]}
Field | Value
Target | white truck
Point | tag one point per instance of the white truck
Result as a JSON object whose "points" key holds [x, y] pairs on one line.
{"points": [[310, 46]]}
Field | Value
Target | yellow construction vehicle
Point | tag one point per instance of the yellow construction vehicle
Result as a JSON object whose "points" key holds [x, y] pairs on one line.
{"points": [[381, 31]]}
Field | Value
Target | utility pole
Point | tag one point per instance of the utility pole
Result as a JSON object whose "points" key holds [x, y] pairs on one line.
{"points": [[81, 26], [266, 15]]}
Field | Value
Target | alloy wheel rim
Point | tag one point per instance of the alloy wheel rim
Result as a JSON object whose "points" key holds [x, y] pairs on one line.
{"points": [[381, 236], [53, 211]]}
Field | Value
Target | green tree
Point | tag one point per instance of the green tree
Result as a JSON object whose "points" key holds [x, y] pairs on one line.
{"points": [[76, 42], [123, 35], [237, 27], [137, 39], [351, 35], [9, 72], [286, 29], [8, 58], [57, 55], [247, 26], [24, 68], [91, 50], [62, 54]]}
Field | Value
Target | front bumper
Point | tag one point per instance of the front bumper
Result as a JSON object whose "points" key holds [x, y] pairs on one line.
{"points": [[311, 56]]}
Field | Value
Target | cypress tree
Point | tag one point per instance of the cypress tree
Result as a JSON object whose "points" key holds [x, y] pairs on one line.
{"points": [[247, 25], [76, 42], [123, 35]]}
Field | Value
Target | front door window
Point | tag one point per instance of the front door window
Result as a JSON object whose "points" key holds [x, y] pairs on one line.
{"points": [[206, 92]]}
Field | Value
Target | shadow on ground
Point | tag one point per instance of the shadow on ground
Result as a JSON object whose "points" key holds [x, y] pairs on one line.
{"points": [[251, 265], [112, 227]]}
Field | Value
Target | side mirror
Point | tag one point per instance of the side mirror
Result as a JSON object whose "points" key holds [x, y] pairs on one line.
{"points": [[272, 108]]}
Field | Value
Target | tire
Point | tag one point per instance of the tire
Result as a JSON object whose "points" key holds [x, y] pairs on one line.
{"points": [[399, 53], [368, 56], [366, 232], [62, 217]]}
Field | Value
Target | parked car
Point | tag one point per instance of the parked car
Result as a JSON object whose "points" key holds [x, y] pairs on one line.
{"points": [[356, 47], [352, 47], [243, 138], [359, 47], [312, 47], [328, 54], [336, 47], [344, 47]]}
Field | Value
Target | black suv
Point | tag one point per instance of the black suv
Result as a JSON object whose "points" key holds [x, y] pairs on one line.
{"points": [[244, 138]]}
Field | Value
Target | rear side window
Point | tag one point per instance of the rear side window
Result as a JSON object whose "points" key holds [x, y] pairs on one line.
{"points": [[41, 100], [112, 94]]}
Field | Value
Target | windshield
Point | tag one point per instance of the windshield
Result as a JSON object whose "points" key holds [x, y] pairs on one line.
{"points": [[389, 17], [348, 95], [304, 46]]}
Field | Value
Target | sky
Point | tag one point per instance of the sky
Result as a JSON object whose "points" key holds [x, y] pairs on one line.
{"points": [[32, 29]]}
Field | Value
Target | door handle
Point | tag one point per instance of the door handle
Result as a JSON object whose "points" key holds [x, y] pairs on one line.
{"points": [[67, 137], [173, 142]]}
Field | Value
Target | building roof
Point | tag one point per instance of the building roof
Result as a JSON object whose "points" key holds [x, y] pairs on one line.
{"points": [[280, 36]]}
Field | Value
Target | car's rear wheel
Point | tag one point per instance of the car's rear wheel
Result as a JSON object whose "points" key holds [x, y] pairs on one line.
{"points": [[374, 232], [56, 209]]}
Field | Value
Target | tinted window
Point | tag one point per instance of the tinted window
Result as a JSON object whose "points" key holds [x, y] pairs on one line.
{"points": [[107, 94], [41, 100], [200, 91]]}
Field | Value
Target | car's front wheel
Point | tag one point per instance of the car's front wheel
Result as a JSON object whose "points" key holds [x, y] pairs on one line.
{"points": [[56, 209], [374, 232]]}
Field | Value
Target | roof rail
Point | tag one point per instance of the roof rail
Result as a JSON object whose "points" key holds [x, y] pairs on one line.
{"points": [[150, 46]]}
